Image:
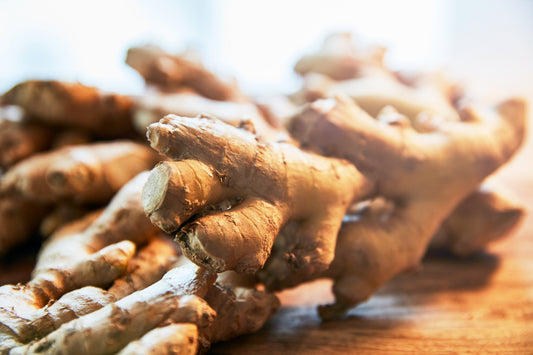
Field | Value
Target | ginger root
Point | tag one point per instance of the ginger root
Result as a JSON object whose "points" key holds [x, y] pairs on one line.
{"points": [[373, 93], [425, 175], [340, 59], [73, 105], [175, 338], [93, 251], [184, 310], [151, 108], [90, 173], [341, 67], [224, 222], [171, 72], [480, 219], [241, 309], [175, 298]]}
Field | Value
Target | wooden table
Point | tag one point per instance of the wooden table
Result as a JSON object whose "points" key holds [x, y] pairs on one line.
{"points": [[450, 306]]}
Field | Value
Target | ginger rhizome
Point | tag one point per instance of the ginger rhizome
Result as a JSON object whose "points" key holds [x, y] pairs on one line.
{"points": [[77, 175], [152, 107], [94, 251], [175, 298], [425, 175], [188, 89], [73, 105], [483, 217], [80, 260], [86, 173], [341, 67], [228, 196], [170, 72]]}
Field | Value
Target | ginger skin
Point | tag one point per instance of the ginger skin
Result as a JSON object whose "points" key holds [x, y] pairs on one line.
{"points": [[90, 173], [175, 298], [180, 338], [480, 219], [221, 220], [340, 59], [168, 316], [73, 105], [425, 175], [93, 251], [170, 72], [417, 168], [151, 108], [340, 67]]}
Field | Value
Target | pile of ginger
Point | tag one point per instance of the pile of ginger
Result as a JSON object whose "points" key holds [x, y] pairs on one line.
{"points": [[169, 244]]}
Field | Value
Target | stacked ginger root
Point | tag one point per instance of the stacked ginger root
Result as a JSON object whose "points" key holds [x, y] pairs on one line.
{"points": [[111, 262], [424, 159], [358, 196]]}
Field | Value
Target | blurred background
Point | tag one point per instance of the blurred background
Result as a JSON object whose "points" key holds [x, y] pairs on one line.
{"points": [[488, 44]]}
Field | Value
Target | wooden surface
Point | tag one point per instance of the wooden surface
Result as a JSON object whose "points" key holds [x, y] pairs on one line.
{"points": [[450, 306]]}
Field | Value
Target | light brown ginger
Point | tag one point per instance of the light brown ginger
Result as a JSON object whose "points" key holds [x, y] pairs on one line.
{"points": [[144, 269], [150, 108], [175, 298], [171, 72], [90, 173], [166, 316], [73, 105], [148, 266], [425, 175], [93, 251], [373, 93], [228, 196], [341, 67], [122, 219], [492, 216], [175, 338], [485, 216], [341, 59], [239, 310], [22, 301]]}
